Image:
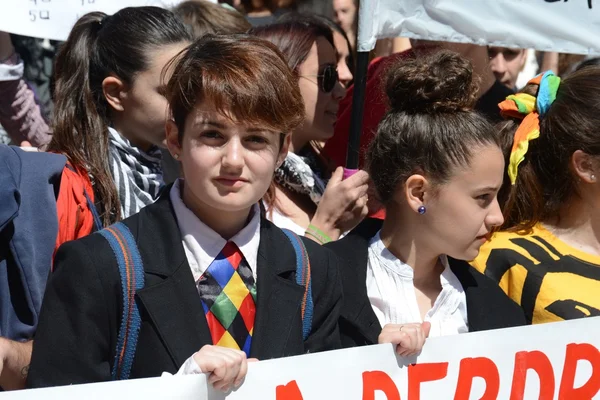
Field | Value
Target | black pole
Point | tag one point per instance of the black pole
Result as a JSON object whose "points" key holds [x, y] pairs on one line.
{"points": [[358, 101]]}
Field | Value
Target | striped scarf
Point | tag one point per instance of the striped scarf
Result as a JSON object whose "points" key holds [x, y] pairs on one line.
{"points": [[299, 174], [137, 175]]}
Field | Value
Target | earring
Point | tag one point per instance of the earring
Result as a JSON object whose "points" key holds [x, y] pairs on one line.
{"points": [[422, 210], [176, 156], [593, 177]]}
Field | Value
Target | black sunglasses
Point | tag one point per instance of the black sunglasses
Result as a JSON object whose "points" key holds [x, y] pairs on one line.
{"points": [[327, 79]]}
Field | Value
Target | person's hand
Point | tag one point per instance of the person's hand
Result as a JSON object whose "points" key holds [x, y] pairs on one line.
{"points": [[14, 363], [344, 203], [227, 367], [408, 338]]}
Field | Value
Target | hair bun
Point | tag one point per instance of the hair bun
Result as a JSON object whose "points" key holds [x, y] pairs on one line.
{"points": [[435, 83]]}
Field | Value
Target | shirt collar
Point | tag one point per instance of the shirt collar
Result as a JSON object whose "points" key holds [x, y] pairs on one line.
{"points": [[205, 244]]}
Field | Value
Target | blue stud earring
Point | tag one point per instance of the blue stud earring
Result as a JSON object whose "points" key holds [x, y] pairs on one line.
{"points": [[422, 210]]}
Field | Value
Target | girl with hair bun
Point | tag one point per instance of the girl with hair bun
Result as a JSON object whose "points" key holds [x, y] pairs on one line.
{"points": [[547, 253], [437, 167]]}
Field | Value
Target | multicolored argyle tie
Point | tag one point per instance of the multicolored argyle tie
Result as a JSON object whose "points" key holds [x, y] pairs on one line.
{"points": [[228, 295]]}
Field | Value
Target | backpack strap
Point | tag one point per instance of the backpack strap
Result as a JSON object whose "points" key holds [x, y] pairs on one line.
{"points": [[303, 278], [131, 269], [94, 211], [97, 221]]}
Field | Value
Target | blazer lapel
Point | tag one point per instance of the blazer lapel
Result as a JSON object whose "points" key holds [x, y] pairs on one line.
{"points": [[357, 310], [169, 296], [474, 294], [357, 319], [278, 296]]}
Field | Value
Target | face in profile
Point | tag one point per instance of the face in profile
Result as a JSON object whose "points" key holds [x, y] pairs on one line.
{"points": [[506, 64], [344, 13], [144, 106], [463, 211], [343, 53], [227, 164], [321, 91]]}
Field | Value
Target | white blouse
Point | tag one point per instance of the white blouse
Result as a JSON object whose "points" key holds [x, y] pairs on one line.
{"points": [[392, 294]]}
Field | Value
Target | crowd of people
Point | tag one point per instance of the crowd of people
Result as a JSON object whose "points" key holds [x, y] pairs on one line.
{"points": [[175, 200]]}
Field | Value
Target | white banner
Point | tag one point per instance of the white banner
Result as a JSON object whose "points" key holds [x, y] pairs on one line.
{"points": [[53, 19], [547, 25], [552, 361]]}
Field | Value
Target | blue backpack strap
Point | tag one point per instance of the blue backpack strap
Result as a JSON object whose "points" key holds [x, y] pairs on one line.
{"points": [[303, 278], [97, 221], [95, 215], [131, 270]]}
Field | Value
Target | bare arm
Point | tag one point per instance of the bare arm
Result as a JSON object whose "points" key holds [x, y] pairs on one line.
{"points": [[6, 47], [550, 62], [20, 115], [14, 363]]}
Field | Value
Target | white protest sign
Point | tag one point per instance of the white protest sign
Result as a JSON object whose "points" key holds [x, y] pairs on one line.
{"points": [[547, 25], [552, 361], [53, 19]]}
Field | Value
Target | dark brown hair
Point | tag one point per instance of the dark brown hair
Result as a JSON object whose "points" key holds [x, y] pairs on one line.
{"points": [[204, 17], [241, 75], [430, 127], [294, 38], [320, 19], [545, 181], [98, 46]]}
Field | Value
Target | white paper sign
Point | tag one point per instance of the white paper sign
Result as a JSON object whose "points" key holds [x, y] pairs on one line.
{"points": [[548, 25], [552, 361], [53, 19]]}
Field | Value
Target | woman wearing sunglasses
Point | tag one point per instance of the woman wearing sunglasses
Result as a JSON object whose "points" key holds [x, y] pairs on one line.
{"points": [[307, 197]]}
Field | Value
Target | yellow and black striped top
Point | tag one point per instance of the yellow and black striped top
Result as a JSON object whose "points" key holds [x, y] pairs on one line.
{"points": [[551, 280]]}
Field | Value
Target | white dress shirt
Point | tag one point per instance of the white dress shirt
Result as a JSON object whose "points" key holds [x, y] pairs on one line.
{"points": [[392, 295], [202, 245]]}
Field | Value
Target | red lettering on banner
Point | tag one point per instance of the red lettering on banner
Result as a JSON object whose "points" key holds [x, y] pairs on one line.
{"points": [[378, 380], [540, 363], [477, 367], [419, 373], [575, 353], [291, 391]]}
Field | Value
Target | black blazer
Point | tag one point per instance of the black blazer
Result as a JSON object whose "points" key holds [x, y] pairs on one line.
{"points": [[77, 335], [488, 307]]}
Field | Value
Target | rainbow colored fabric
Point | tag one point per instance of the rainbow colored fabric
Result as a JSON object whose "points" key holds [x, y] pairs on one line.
{"points": [[529, 109], [228, 293]]}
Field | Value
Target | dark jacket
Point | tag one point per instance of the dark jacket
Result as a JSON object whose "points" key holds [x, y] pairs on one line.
{"points": [[488, 307], [29, 184], [77, 334]]}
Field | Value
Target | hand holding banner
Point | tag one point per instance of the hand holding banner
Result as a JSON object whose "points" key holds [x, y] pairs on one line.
{"points": [[559, 360]]}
